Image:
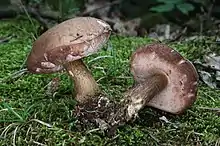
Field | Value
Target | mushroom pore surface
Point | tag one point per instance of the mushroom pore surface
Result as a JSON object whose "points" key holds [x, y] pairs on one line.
{"points": [[181, 90]]}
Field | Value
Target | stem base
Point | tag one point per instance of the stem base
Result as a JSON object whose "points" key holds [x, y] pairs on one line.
{"points": [[109, 115]]}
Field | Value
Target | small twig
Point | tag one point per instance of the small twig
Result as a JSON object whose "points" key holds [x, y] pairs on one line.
{"points": [[208, 108]]}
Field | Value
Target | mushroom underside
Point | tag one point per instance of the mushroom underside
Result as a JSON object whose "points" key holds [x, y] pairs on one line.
{"points": [[181, 91]]}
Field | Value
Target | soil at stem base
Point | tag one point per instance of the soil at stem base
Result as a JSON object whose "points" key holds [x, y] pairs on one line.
{"points": [[101, 112], [105, 114]]}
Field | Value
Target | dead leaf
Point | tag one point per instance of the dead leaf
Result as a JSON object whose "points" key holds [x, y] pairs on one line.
{"points": [[207, 79], [213, 61], [209, 70], [127, 28]]}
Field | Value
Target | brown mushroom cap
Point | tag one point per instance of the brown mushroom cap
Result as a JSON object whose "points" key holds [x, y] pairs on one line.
{"points": [[180, 93], [68, 41]]}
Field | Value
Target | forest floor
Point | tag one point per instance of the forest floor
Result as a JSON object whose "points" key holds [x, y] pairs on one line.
{"points": [[29, 116]]}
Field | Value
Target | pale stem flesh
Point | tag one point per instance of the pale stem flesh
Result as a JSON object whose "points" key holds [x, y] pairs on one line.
{"points": [[138, 96]]}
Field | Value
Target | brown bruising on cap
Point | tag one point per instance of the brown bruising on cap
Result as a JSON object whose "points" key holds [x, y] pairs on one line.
{"points": [[68, 41], [182, 76]]}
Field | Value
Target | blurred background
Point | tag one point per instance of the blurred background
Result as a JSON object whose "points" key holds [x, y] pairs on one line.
{"points": [[164, 19]]}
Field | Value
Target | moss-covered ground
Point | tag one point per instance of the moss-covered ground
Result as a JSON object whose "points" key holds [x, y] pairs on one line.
{"points": [[30, 117]]}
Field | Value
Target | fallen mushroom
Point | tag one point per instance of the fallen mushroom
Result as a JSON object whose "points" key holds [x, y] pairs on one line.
{"points": [[173, 79], [163, 79], [64, 45]]}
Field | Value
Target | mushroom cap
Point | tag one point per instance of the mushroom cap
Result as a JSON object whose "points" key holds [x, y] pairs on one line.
{"points": [[70, 40], [181, 91]]}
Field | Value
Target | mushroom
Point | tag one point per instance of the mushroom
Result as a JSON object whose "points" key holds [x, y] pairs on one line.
{"points": [[64, 45], [163, 80]]}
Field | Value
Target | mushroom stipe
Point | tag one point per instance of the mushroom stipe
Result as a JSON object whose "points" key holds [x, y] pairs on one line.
{"points": [[81, 75]]}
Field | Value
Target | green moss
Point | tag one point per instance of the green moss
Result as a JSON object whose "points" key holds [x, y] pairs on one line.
{"points": [[23, 100]]}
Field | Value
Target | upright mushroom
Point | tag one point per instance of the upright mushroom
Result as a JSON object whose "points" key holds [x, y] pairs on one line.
{"points": [[64, 45], [163, 80]]}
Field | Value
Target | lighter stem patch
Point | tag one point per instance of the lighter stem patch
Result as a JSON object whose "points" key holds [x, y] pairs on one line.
{"points": [[47, 65], [71, 73], [38, 69]]}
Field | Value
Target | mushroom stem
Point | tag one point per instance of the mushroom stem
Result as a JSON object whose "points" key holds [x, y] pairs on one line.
{"points": [[138, 96], [85, 85], [109, 115]]}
